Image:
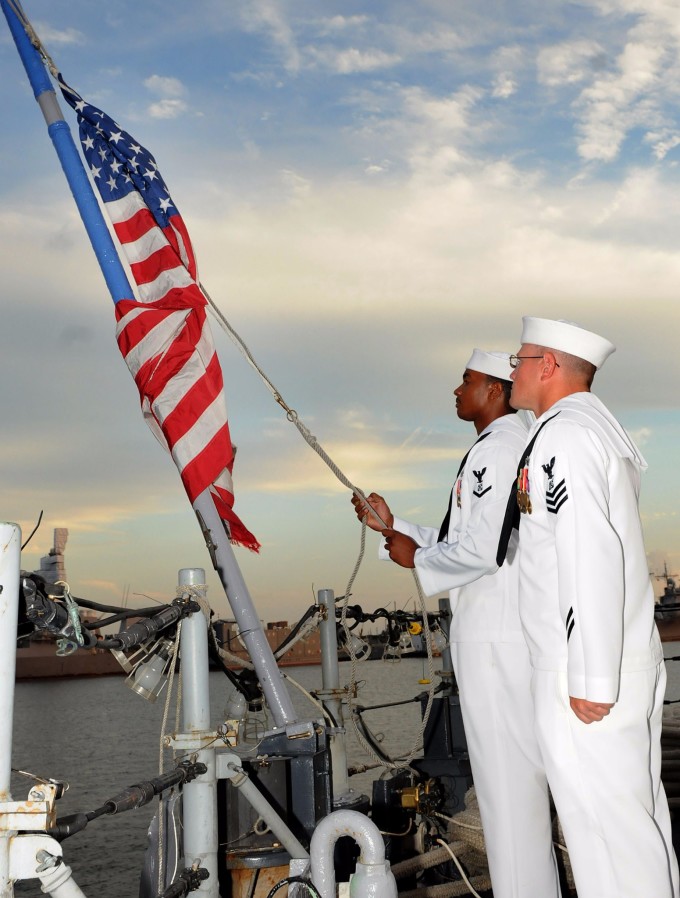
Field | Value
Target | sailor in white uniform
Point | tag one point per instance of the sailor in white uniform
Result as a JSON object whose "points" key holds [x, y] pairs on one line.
{"points": [[586, 606], [490, 656]]}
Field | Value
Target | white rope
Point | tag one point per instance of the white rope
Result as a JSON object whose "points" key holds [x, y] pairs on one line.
{"points": [[226, 655], [458, 822], [33, 36], [291, 414], [460, 869], [311, 698]]}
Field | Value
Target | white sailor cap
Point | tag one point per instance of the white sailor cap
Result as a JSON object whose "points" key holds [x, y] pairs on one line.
{"points": [[567, 336], [497, 364]]}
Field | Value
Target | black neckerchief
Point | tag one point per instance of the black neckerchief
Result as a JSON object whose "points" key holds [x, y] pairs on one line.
{"points": [[512, 514], [444, 529]]}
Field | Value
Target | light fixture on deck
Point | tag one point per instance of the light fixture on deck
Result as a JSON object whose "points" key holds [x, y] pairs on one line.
{"points": [[359, 647], [151, 673], [406, 643], [439, 640], [130, 660]]}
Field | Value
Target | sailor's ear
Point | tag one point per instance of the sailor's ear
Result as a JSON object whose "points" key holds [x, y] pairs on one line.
{"points": [[549, 365]]}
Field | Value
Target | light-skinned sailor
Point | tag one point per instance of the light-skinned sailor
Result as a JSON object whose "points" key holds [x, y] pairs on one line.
{"points": [[586, 606]]}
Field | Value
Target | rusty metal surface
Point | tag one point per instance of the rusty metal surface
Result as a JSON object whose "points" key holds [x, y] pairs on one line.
{"points": [[265, 880]]}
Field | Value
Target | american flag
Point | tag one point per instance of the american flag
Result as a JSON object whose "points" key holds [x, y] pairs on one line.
{"points": [[163, 334]]}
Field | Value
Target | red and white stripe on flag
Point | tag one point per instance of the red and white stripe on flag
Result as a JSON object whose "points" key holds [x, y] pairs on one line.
{"points": [[166, 341]]}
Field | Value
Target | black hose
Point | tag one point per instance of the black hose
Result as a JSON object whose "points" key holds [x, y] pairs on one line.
{"points": [[189, 880], [289, 880], [122, 615], [129, 799], [115, 609]]}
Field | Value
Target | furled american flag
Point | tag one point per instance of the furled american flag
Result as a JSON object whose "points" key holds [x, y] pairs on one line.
{"points": [[164, 334]]}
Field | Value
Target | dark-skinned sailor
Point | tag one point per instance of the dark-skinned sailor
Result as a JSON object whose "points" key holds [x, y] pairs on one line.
{"points": [[490, 656], [587, 609]]}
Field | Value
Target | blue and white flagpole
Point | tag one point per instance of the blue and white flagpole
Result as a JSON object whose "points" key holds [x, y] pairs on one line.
{"points": [[241, 603]]}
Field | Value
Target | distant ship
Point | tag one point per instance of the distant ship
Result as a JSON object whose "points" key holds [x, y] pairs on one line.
{"points": [[667, 608], [37, 659]]}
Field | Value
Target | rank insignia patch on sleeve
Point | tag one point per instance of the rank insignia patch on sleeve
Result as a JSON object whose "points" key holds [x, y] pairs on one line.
{"points": [[555, 495], [479, 488]]}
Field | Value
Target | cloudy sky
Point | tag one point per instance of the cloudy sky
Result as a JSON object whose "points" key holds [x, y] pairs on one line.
{"points": [[372, 189]]}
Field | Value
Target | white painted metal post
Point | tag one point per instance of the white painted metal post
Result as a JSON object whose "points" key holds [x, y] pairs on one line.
{"points": [[10, 562], [199, 796], [331, 696]]}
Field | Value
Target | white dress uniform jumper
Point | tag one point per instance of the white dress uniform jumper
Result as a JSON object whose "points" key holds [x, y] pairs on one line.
{"points": [[586, 606]]}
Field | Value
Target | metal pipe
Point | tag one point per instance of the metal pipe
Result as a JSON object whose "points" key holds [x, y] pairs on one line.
{"points": [[199, 797], [343, 823], [58, 881], [274, 821], [330, 678], [10, 561], [249, 624], [445, 626]]}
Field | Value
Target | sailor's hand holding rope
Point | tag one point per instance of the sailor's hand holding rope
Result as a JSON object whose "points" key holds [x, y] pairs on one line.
{"points": [[401, 548], [374, 502]]}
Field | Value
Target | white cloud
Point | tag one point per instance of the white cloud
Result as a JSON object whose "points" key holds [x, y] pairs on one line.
{"points": [[268, 16], [297, 185], [642, 435], [350, 60], [615, 103], [504, 86], [445, 115], [570, 62], [171, 90], [50, 35], [167, 109], [164, 86], [662, 142], [343, 23]]}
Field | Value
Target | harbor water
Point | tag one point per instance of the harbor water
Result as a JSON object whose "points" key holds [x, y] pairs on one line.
{"points": [[99, 737]]}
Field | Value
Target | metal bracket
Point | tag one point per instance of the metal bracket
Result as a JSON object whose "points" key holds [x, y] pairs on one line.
{"points": [[24, 849], [207, 536], [37, 813], [187, 742]]}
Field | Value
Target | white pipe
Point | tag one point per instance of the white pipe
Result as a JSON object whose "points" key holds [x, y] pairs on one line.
{"points": [[274, 821], [342, 823], [58, 881], [10, 558], [330, 678], [199, 797]]}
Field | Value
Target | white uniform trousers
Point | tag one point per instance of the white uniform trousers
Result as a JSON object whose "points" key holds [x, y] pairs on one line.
{"points": [[495, 698], [605, 781]]}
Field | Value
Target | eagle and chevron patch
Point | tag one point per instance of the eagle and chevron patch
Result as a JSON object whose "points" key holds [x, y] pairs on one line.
{"points": [[480, 490], [555, 494]]}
